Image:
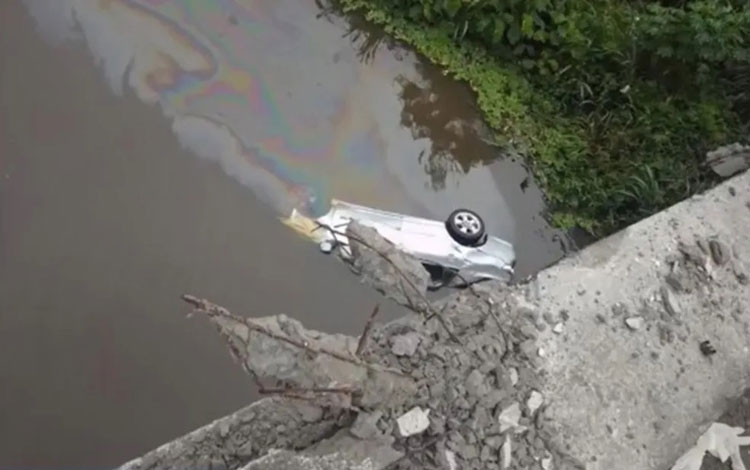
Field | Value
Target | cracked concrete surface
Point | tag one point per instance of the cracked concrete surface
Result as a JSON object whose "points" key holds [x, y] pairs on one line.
{"points": [[636, 399]]}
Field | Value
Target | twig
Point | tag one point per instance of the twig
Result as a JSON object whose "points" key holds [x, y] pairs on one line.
{"points": [[404, 277], [212, 310], [362, 345]]}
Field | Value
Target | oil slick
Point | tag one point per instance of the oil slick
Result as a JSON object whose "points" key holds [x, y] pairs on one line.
{"points": [[288, 105]]}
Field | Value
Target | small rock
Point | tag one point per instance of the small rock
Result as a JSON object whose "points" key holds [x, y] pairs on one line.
{"points": [[509, 417], [486, 367], [739, 273], [310, 413], [692, 253], [484, 455], [719, 252], [547, 463], [541, 352], [365, 426], [450, 459], [468, 452], [462, 403], [492, 398], [634, 323], [671, 304], [475, 384], [619, 309], [551, 317], [494, 442], [507, 452], [246, 450], [224, 429], [675, 282], [405, 345], [728, 160], [437, 424], [535, 400], [558, 328], [218, 464], [513, 376], [415, 421]]}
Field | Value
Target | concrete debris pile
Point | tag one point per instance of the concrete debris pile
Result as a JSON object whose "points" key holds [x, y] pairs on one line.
{"points": [[478, 402], [469, 397]]}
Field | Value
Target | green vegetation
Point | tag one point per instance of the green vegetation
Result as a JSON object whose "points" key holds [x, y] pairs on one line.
{"points": [[613, 101]]}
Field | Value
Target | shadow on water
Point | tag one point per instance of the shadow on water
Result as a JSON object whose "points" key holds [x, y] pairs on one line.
{"points": [[451, 126]]}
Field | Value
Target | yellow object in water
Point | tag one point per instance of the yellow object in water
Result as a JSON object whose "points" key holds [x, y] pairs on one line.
{"points": [[304, 225]]}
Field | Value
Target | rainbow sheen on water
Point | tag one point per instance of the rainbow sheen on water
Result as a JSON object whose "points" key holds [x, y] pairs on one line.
{"points": [[287, 99]]}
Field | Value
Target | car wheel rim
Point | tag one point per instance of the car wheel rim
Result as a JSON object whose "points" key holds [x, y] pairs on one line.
{"points": [[467, 223]]}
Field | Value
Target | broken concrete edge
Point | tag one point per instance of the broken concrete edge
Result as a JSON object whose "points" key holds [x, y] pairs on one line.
{"points": [[238, 438], [506, 352], [729, 159], [616, 388], [395, 274], [339, 452]]}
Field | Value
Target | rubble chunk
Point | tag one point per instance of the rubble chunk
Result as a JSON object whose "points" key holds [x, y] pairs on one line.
{"points": [[415, 421], [380, 264], [634, 323], [509, 417], [507, 452], [719, 252], [365, 426], [728, 160], [535, 400], [405, 345], [671, 304]]}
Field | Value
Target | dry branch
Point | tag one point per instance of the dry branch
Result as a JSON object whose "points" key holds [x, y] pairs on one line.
{"points": [[362, 345], [304, 361]]}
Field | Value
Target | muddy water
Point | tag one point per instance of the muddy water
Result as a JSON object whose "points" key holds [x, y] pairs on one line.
{"points": [[106, 214]]}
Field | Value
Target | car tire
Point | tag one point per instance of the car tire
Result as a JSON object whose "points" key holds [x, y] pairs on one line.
{"points": [[466, 227]]}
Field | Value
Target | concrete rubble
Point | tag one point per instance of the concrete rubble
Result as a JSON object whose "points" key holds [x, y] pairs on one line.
{"points": [[414, 421], [396, 275], [599, 363], [729, 160]]}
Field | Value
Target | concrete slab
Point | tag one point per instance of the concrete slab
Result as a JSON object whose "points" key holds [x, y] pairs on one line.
{"points": [[627, 398]]}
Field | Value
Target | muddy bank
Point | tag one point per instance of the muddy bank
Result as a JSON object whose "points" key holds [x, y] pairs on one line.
{"points": [[585, 367], [104, 221]]}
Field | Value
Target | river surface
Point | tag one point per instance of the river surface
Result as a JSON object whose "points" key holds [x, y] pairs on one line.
{"points": [[148, 148]]}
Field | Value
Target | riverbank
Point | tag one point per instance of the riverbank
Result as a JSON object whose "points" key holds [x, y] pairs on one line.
{"points": [[586, 366], [609, 139]]}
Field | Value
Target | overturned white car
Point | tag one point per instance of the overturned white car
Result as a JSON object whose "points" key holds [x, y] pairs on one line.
{"points": [[458, 247]]}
